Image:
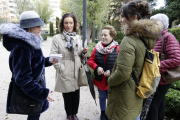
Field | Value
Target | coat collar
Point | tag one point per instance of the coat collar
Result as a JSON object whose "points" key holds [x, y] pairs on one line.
{"points": [[148, 30], [14, 31]]}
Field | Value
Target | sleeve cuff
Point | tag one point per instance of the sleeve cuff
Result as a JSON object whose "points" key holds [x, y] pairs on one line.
{"points": [[96, 68]]}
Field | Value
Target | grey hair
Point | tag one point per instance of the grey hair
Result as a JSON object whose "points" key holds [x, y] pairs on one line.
{"points": [[163, 18]]}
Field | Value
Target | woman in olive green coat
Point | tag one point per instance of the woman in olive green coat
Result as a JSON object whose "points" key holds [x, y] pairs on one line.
{"points": [[123, 102]]}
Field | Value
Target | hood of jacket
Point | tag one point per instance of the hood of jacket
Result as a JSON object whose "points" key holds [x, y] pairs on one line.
{"points": [[13, 35], [148, 30]]}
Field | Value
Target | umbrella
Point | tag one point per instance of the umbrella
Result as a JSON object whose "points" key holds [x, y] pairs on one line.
{"points": [[90, 82], [146, 106]]}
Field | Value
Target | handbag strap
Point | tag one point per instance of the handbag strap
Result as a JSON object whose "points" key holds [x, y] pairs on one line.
{"points": [[135, 78], [133, 73], [163, 48]]}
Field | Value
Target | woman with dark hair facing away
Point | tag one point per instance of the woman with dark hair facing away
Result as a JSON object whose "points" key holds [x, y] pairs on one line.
{"points": [[157, 107], [26, 61], [69, 44], [102, 61], [123, 102]]}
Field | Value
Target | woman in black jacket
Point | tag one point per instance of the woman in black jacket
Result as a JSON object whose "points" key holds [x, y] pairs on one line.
{"points": [[27, 62]]}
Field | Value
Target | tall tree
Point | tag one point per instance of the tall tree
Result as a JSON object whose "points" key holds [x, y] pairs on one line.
{"points": [[22, 5], [172, 10], [43, 8], [115, 9], [57, 25], [153, 2], [97, 11], [4, 17], [51, 29]]}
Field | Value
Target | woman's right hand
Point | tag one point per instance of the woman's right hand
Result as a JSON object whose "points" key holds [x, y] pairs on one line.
{"points": [[100, 71], [49, 98]]}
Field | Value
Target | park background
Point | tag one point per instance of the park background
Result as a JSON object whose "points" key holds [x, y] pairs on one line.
{"points": [[99, 14]]}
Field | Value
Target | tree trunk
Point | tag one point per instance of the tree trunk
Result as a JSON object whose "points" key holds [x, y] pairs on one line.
{"points": [[93, 32], [99, 34], [88, 33]]}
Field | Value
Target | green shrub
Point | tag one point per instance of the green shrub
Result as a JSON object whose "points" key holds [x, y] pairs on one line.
{"points": [[172, 102], [51, 29], [175, 32], [90, 46], [119, 37], [92, 73], [44, 36], [176, 85]]}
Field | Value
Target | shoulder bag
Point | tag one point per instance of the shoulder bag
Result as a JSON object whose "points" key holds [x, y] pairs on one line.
{"points": [[20, 103], [171, 75], [82, 79]]}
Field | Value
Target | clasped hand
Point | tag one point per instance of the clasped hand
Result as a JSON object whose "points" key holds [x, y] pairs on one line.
{"points": [[100, 71]]}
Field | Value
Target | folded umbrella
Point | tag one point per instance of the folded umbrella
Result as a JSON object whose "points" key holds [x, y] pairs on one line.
{"points": [[90, 82], [146, 106]]}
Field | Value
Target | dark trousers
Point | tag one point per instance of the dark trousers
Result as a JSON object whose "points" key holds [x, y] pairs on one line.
{"points": [[157, 107], [33, 117], [71, 102]]}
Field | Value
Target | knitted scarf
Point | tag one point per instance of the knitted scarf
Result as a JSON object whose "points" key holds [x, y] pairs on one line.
{"points": [[108, 49], [72, 42]]}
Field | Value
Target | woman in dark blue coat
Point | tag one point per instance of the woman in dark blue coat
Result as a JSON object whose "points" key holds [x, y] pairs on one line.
{"points": [[26, 59]]}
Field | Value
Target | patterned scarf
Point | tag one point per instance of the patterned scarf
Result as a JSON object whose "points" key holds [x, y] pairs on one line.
{"points": [[72, 43], [107, 49]]}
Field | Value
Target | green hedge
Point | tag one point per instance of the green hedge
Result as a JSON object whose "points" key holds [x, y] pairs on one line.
{"points": [[176, 85], [175, 32], [172, 101], [119, 37]]}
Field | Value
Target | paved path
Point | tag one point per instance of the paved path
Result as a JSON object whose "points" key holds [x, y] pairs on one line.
{"points": [[87, 109]]}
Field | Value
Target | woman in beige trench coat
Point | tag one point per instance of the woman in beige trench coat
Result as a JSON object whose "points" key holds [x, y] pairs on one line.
{"points": [[69, 44]]}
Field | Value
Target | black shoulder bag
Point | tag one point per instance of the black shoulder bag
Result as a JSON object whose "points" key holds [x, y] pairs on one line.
{"points": [[20, 103]]}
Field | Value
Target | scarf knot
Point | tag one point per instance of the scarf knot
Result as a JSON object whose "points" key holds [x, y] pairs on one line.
{"points": [[71, 42]]}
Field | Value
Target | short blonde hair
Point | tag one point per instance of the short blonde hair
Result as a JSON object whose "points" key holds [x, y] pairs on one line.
{"points": [[111, 29]]}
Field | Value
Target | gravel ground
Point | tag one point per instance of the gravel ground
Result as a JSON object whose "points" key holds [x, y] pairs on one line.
{"points": [[87, 109]]}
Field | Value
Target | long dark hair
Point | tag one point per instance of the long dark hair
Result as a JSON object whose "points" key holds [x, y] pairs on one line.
{"points": [[61, 23]]}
